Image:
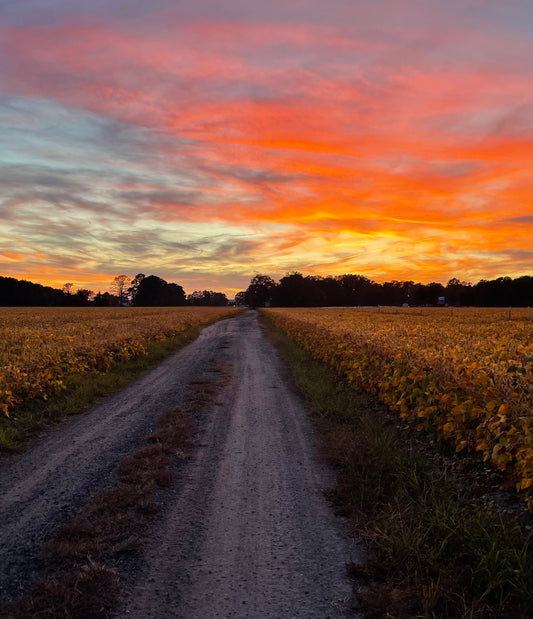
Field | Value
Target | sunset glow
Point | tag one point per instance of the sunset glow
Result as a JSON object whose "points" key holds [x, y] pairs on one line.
{"points": [[205, 142]]}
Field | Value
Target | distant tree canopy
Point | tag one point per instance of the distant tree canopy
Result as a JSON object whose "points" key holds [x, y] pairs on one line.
{"points": [[207, 298], [134, 287], [21, 292], [104, 299], [151, 290], [119, 288], [260, 291], [154, 291], [240, 298], [295, 290]]}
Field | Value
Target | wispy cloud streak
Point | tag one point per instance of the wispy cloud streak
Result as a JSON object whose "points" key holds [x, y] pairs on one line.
{"points": [[203, 142]]}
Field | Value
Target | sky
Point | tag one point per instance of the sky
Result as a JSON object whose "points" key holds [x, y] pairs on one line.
{"points": [[208, 141]]}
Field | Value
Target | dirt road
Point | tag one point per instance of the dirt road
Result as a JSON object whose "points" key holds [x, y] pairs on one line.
{"points": [[245, 532]]}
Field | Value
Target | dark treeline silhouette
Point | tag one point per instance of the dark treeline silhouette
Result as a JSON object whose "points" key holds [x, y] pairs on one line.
{"points": [[295, 290], [207, 298], [140, 291], [20, 292], [154, 291]]}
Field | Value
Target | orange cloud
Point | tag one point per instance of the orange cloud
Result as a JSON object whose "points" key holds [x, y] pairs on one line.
{"points": [[372, 164], [11, 255]]}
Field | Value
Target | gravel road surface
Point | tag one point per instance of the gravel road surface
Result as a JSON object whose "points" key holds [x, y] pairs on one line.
{"points": [[249, 534], [245, 532], [44, 487]]}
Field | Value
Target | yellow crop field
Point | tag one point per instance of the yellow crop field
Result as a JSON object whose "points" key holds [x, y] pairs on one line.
{"points": [[463, 375], [39, 347]]}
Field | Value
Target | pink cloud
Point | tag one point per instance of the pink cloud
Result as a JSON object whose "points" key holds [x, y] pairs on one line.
{"points": [[263, 124]]}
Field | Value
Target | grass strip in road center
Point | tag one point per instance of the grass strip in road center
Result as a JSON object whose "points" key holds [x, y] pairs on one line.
{"points": [[434, 551], [80, 584]]}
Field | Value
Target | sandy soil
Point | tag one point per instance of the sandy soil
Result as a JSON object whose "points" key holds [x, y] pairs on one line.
{"points": [[245, 532]]}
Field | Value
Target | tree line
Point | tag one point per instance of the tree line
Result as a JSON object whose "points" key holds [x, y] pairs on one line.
{"points": [[295, 290], [142, 290]]}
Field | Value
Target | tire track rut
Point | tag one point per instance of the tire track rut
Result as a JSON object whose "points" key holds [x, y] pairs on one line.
{"points": [[249, 533], [244, 532]]}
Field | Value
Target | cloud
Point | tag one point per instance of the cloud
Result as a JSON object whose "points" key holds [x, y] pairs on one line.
{"points": [[188, 139], [522, 219]]}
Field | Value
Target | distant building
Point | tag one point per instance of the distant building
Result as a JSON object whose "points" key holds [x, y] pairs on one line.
{"points": [[441, 301]]}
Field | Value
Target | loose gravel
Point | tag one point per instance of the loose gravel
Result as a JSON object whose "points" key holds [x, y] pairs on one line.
{"points": [[244, 532]]}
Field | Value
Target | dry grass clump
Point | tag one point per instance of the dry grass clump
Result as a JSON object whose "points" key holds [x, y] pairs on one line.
{"points": [[86, 593]]}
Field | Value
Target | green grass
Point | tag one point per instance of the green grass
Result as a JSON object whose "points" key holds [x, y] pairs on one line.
{"points": [[434, 553], [82, 390]]}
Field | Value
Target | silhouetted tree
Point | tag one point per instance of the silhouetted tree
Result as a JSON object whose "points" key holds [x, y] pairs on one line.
{"points": [[259, 292], [522, 291], [118, 286], [105, 300], [175, 295], [293, 289], [15, 292], [82, 296], [392, 293], [458, 293], [329, 290], [154, 291], [134, 287], [240, 298], [354, 290], [207, 298], [427, 294], [296, 290]]}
